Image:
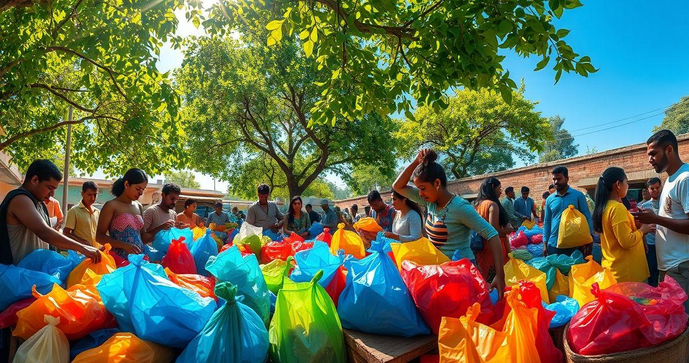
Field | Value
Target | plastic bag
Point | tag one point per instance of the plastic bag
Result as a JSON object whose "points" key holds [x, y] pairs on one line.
{"points": [[319, 258], [202, 250], [306, 327], [292, 238], [144, 301], [376, 300], [518, 239], [564, 263], [153, 254], [583, 276], [326, 236], [16, 284], [251, 237], [367, 224], [9, 317], [574, 229], [276, 251], [234, 334], [79, 308], [91, 341], [536, 239], [535, 250], [560, 287], [528, 224], [516, 270], [164, 238], [198, 232], [126, 348], [246, 274], [104, 267], [49, 262], [275, 272], [48, 345], [523, 255], [315, 230], [616, 323], [202, 285], [179, 259], [422, 252], [564, 307], [348, 241], [448, 290]]}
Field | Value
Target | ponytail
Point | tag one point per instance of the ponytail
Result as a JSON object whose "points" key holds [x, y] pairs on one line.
{"points": [[604, 186], [132, 176]]}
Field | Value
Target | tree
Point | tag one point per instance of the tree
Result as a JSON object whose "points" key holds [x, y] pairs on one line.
{"points": [[100, 58], [247, 107], [339, 193], [366, 178], [184, 179], [676, 118], [478, 132], [561, 143], [389, 50]]}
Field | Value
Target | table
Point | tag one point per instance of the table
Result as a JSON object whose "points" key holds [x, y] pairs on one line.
{"points": [[362, 347]]}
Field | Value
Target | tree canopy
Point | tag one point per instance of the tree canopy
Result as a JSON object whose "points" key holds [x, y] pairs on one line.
{"points": [[561, 143], [676, 117], [184, 179]]}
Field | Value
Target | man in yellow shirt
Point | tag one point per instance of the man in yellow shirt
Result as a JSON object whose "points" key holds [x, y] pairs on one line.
{"points": [[82, 219]]}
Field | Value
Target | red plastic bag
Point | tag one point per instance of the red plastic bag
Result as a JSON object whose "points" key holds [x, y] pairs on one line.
{"points": [[449, 289], [200, 284], [628, 316], [301, 246], [325, 236], [293, 237], [9, 317], [178, 258], [337, 284], [518, 239], [537, 239], [276, 251]]}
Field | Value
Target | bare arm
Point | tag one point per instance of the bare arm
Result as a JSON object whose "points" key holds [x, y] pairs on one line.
{"points": [[68, 232], [496, 248]]}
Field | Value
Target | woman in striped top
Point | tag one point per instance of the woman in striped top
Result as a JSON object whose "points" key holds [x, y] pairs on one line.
{"points": [[450, 218]]}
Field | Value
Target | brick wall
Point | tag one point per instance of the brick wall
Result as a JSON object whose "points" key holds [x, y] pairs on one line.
{"points": [[584, 171]]}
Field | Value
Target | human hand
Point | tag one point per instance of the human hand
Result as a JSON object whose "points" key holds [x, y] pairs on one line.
{"points": [[645, 228], [645, 216], [167, 225], [91, 252], [130, 248], [499, 285], [421, 155]]}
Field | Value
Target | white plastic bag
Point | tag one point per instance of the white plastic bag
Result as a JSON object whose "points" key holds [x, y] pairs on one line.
{"points": [[248, 230], [48, 345]]}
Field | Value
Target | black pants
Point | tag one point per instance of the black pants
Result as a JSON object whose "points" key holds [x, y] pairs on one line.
{"points": [[5, 335]]}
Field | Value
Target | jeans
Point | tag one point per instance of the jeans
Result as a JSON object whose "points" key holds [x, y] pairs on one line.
{"points": [[681, 275], [652, 260]]}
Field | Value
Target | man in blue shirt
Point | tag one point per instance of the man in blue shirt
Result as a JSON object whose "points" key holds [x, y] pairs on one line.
{"points": [[555, 205], [654, 186], [524, 207]]}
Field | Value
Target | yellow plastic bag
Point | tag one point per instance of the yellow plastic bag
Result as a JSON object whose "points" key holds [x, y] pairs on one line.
{"points": [[348, 241], [367, 224], [198, 232], [104, 267], [48, 345], [583, 276], [560, 287], [529, 224], [574, 229], [126, 348], [516, 270], [422, 252]]}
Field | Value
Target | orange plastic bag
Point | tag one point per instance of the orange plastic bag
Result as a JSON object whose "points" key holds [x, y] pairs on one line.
{"points": [[574, 229], [79, 308], [583, 276], [516, 270], [105, 266], [367, 224], [126, 348], [422, 252], [348, 241], [203, 285]]}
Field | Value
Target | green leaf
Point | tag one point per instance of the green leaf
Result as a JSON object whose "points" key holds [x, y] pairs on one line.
{"points": [[505, 27], [308, 48], [542, 63], [314, 34], [304, 34], [562, 33], [275, 24]]}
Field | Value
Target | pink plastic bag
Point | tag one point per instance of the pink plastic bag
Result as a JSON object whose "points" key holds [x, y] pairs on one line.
{"points": [[537, 239]]}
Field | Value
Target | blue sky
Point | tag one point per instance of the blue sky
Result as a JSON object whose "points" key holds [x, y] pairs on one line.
{"points": [[641, 49]]}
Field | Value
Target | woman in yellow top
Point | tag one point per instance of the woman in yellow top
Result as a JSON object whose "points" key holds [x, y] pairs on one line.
{"points": [[622, 244]]}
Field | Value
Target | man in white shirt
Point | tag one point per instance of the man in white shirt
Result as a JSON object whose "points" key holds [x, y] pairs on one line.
{"points": [[672, 220]]}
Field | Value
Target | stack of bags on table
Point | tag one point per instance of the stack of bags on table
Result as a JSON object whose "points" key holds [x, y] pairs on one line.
{"points": [[527, 242]]}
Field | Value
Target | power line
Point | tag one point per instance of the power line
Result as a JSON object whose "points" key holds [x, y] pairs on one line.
{"points": [[622, 119], [607, 128]]}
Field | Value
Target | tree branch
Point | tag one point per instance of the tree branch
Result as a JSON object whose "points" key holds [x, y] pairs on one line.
{"points": [[63, 97], [398, 31], [66, 19]]}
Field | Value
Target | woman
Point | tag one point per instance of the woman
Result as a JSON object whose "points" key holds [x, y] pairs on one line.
{"points": [[621, 243], [188, 217], [541, 211], [296, 220], [121, 220], [407, 225], [489, 207], [450, 218]]}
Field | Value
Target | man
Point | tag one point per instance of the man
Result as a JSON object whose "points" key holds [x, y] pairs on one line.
{"points": [[524, 207], [383, 213], [313, 215], [645, 195], [653, 188], [330, 219], [82, 219], [218, 217], [54, 212], [367, 211], [162, 216], [555, 205], [541, 209], [355, 213], [263, 213], [672, 220], [508, 204]]}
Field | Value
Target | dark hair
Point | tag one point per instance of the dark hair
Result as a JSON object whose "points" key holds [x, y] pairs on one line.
{"points": [[308, 206], [373, 196], [560, 170], [525, 190], [610, 176], [411, 204], [290, 211], [429, 171], [132, 176], [663, 138], [263, 189], [652, 181], [170, 188], [217, 204], [89, 185], [189, 202], [509, 189], [545, 195], [551, 186], [487, 192], [44, 169], [355, 207]]}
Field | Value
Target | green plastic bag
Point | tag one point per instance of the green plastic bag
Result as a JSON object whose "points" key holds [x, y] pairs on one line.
{"points": [[306, 327], [275, 272]]}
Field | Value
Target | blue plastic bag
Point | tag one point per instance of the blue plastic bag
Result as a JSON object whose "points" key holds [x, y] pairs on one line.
{"points": [[246, 274], [380, 237], [309, 262], [202, 249], [235, 333], [277, 237], [230, 238], [146, 303], [564, 263], [153, 254], [315, 230], [535, 250], [565, 308], [49, 262], [16, 283], [376, 300], [162, 239], [93, 340]]}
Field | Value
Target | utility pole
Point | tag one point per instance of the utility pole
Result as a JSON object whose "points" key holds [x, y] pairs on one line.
{"points": [[68, 148]]}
